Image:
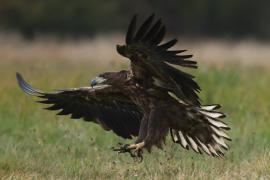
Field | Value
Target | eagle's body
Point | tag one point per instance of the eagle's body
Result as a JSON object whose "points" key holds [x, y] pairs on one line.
{"points": [[147, 101], [154, 107]]}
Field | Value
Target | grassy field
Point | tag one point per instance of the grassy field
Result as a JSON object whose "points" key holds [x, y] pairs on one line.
{"points": [[37, 144]]}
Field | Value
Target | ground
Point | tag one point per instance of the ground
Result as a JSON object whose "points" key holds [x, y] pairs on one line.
{"points": [[37, 144]]}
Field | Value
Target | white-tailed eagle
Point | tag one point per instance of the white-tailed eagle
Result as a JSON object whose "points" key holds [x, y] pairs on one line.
{"points": [[149, 101]]}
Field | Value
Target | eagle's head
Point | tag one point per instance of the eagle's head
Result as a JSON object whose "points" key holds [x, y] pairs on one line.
{"points": [[110, 78]]}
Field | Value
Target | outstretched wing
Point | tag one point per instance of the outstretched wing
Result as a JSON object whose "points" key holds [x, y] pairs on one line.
{"points": [[101, 104], [149, 58]]}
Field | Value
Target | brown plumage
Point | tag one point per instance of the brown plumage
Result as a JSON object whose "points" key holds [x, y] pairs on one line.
{"points": [[148, 101], [150, 59]]}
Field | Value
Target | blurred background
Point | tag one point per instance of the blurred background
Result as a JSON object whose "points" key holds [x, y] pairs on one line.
{"points": [[89, 29], [210, 18], [64, 43]]}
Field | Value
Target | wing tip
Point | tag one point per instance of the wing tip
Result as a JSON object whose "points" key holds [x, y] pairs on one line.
{"points": [[18, 76], [25, 87]]}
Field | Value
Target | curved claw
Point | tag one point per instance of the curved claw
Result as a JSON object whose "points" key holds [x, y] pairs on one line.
{"points": [[123, 148], [136, 153]]}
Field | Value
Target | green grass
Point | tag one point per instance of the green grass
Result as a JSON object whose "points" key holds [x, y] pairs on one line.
{"points": [[37, 144]]}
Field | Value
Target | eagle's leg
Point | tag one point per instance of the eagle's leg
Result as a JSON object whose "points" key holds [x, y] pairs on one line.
{"points": [[153, 130], [157, 128], [143, 128], [135, 150]]}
